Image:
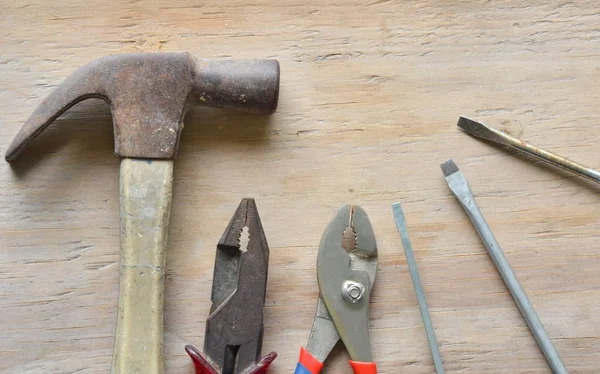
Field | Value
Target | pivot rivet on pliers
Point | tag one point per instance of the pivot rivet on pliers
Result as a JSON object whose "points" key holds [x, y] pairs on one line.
{"points": [[352, 292]]}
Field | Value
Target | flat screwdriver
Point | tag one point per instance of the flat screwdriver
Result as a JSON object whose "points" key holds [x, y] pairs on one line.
{"points": [[480, 130], [460, 188], [414, 275]]}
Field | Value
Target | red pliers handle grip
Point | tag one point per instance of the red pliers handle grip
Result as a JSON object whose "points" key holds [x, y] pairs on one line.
{"points": [[307, 364]]}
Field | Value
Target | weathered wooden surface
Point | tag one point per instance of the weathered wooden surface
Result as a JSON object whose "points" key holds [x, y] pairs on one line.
{"points": [[369, 100]]}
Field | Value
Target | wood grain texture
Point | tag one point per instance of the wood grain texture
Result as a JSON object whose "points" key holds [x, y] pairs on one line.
{"points": [[370, 94]]}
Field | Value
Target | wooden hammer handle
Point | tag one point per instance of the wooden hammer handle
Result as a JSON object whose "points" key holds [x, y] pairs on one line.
{"points": [[145, 194]]}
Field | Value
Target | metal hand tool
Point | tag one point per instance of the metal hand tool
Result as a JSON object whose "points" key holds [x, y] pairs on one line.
{"points": [[234, 329], [489, 133], [460, 188], [149, 95], [414, 275], [346, 272]]}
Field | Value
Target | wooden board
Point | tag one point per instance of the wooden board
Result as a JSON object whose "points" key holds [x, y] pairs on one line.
{"points": [[370, 95]]}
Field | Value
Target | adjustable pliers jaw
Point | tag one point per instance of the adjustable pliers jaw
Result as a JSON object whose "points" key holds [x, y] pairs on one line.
{"points": [[346, 268], [234, 329]]}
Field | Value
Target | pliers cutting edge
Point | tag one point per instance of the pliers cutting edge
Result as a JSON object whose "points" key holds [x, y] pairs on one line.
{"points": [[346, 272], [234, 329]]}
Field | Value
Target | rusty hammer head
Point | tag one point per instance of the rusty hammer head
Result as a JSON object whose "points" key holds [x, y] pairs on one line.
{"points": [[150, 93]]}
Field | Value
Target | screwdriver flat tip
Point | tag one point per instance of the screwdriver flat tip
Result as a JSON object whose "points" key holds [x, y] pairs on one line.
{"points": [[468, 124], [479, 130], [449, 168]]}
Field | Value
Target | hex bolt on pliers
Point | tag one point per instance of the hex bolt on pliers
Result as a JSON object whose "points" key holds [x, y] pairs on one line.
{"points": [[234, 329], [346, 267]]}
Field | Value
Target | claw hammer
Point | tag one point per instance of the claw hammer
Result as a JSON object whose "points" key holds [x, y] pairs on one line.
{"points": [[149, 95]]}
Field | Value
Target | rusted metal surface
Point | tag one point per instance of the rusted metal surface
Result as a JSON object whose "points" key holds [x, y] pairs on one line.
{"points": [[234, 329], [149, 95], [482, 131]]}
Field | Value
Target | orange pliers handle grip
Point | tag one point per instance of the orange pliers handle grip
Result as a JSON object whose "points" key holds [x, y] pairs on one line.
{"points": [[307, 364]]}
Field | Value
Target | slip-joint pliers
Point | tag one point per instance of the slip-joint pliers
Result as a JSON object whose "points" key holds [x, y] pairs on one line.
{"points": [[346, 267]]}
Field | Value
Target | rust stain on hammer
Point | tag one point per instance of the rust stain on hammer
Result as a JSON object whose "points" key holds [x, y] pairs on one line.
{"points": [[150, 93]]}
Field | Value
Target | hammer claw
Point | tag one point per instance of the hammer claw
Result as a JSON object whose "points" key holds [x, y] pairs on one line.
{"points": [[80, 86]]}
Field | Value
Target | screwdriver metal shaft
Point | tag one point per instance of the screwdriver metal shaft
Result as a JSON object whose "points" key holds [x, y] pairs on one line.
{"points": [[460, 188], [480, 130], [414, 274]]}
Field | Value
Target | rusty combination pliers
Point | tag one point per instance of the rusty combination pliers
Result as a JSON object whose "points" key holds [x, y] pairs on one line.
{"points": [[346, 268], [234, 329]]}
